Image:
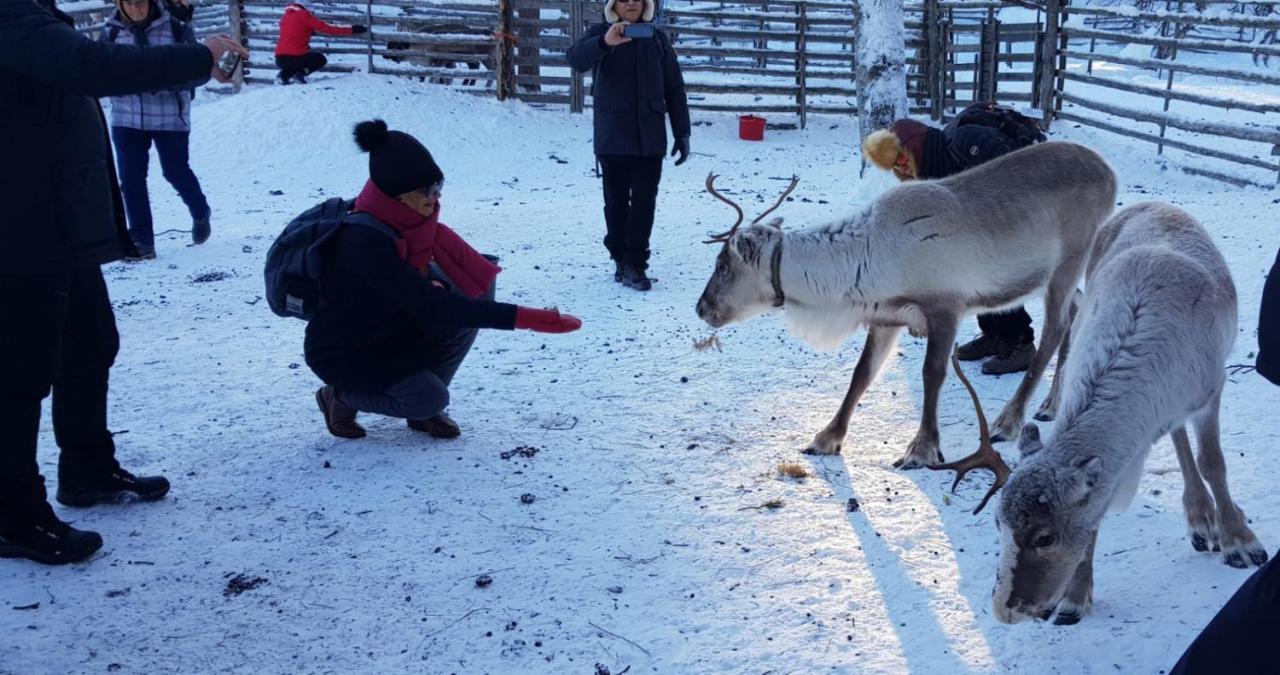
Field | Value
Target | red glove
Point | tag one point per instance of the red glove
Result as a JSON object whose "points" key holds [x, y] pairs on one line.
{"points": [[546, 320]]}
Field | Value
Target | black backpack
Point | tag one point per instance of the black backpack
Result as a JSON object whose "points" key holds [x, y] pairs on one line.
{"points": [[1011, 124], [296, 261]]}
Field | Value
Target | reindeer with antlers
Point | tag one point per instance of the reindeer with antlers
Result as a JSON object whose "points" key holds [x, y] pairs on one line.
{"points": [[923, 255]]}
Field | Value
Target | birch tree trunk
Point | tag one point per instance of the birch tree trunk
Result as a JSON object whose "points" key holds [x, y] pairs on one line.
{"points": [[880, 74]]}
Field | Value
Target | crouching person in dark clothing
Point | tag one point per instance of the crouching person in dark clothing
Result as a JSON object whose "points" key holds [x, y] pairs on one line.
{"points": [[915, 150], [637, 83], [401, 312], [64, 218]]}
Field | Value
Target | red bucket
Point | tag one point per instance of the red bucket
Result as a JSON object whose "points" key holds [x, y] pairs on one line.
{"points": [[751, 128]]}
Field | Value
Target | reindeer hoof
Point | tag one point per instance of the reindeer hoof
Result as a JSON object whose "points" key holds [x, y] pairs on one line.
{"points": [[1044, 416], [1066, 619], [1258, 557], [1234, 559], [816, 448], [1199, 543]]}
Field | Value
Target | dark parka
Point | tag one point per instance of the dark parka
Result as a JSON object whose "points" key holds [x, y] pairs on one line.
{"points": [[635, 87], [381, 316], [1269, 326], [61, 201]]}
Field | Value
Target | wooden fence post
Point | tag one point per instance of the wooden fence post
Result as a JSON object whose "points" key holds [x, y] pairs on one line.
{"points": [[235, 16], [802, 63], [1049, 61], [368, 18], [506, 53], [577, 100], [1172, 55], [933, 49]]}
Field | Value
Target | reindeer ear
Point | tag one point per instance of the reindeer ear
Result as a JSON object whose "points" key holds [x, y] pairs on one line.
{"points": [[1081, 479], [748, 244], [775, 223], [1029, 443]]}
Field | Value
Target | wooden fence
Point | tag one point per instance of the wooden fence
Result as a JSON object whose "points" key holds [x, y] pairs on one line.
{"points": [[792, 58]]}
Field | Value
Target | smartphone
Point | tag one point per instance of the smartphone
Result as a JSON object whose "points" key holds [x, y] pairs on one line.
{"points": [[638, 30], [229, 63]]}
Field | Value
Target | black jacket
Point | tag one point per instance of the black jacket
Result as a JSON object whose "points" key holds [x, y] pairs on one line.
{"points": [[57, 184], [635, 86], [1269, 326], [381, 314]]}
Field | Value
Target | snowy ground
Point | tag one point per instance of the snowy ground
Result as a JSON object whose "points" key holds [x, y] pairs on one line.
{"points": [[644, 548]]}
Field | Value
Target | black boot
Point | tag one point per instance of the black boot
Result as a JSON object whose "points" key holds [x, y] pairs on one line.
{"points": [[47, 540], [113, 487], [634, 277]]}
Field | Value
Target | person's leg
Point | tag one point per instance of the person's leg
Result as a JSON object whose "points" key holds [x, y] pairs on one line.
{"points": [[1015, 337], [616, 179], [645, 175], [289, 67], [418, 396], [89, 348], [28, 527], [1238, 638], [313, 61], [450, 345], [37, 303], [133, 149], [175, 161]]}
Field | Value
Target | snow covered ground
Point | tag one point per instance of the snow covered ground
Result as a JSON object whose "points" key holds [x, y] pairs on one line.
{"points": [[645, 548]]}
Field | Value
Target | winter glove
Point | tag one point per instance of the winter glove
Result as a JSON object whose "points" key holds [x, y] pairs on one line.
{"points": [[681, 147], [357, 29], [546, 320]]}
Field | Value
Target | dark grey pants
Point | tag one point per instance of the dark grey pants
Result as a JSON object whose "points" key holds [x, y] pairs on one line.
{"points": [[423, 394]]}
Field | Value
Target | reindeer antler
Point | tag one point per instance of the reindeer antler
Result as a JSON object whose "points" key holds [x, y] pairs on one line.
{"points": [[724, 236], [985, 457]]}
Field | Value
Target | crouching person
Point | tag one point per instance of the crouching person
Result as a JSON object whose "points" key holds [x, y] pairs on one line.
{"points": [[404, 298]]}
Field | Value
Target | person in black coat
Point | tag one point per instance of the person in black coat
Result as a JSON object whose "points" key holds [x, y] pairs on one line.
{"points": [[635, 86], [1269, 326], [914, 150], [63, 219], [404, 297]]}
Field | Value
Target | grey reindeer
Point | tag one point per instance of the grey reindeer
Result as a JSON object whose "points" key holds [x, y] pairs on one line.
{"points": [[1150, 342], [924, 255]]}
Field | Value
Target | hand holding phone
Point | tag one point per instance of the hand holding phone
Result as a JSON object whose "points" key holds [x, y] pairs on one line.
{"points": [[638, 30]]}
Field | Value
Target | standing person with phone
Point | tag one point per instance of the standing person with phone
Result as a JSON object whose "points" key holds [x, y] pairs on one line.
{"points": [[64, 220], [636, 85], [162, 118]]}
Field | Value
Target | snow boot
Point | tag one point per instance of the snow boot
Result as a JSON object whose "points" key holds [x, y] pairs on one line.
{"points": [[116, 486], [200, 230], [47, 540], [1012, 360], [338, 417], [981, 347], [634, 277], [440, 426]]}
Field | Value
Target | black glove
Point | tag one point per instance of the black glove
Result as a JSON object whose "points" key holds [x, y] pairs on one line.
{"points": [[681, 147], [357, 29]]}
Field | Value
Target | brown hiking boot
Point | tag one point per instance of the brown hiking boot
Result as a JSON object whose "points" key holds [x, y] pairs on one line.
{"points": [[340, 419], [1014, 360], [440, 426], [981, 347]]}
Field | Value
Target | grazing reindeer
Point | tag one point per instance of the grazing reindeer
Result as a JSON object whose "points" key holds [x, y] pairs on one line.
{"points": [[923, 255], [1150, 344]]}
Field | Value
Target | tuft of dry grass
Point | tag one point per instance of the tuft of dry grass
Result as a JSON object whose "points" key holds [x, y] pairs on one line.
{"points": [[793, 470], [710, 342]]}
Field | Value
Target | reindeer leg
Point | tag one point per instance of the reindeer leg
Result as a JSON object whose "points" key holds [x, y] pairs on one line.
{"points": [[1061, 288], [924, 448], [1239, 545], [1196, 503], [1049, 407], [880, 341], [1079, 597]]}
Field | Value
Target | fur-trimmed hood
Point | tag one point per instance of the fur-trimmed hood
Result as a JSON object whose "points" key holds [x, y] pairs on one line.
{"points": [[611, 15]]}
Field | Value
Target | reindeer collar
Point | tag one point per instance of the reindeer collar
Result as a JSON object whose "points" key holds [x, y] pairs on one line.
{"points": [[775, 271]]}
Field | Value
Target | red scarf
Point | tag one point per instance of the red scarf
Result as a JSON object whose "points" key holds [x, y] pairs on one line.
{"points": [[425, 240]]}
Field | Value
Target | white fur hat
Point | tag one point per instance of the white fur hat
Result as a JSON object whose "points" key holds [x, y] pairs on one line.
{"points": [[611, 15]]}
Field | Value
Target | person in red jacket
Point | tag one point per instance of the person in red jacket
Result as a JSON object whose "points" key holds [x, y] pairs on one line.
{"points": [[293, 51], [401, 313]]}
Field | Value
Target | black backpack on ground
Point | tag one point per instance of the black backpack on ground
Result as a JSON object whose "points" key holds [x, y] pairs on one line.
{"points": [[296, 261], [1018, 128]]}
